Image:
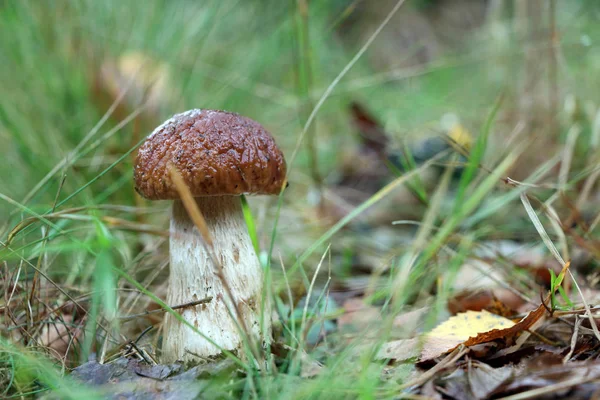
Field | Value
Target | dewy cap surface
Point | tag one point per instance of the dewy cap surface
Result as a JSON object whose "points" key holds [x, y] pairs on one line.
{"points": [[216, 152]]}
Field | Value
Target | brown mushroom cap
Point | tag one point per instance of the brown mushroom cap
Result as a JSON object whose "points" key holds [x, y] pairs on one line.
{"points": [[216, 152]]}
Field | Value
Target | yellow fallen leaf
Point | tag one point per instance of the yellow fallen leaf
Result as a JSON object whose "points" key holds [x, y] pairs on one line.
{"points": [[459, 329], [468, 324]]}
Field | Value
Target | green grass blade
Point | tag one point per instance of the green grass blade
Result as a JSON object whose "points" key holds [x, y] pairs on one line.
{"points": [[476, 155]]}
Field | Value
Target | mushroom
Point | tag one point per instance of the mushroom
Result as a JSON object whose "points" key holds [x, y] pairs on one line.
{"points": [[220, 156]]}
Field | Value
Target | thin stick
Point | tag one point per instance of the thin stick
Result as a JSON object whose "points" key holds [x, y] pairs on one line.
{"points": [[450, 359], [578, 322], [552, 388], [162, 310]]}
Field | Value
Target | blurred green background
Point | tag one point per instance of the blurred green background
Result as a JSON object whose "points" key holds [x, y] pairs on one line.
{"points": [[262, 59]]}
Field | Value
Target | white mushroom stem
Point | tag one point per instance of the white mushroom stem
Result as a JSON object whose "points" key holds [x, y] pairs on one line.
{"points": [[193, 277]]}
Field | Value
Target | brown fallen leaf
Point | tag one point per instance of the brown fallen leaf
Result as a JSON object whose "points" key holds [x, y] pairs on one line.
{"points": [[372, 133], [484, 380], [471, 380], [470, 301], [498, 301], [357, 316]]}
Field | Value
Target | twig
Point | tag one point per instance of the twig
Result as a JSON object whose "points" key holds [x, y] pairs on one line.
{"points": [[578, 322], [141, 335], [576, 312], [448, 360], [161, 310], [552, 388]]}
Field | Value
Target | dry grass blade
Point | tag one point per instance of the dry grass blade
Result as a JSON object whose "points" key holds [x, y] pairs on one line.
{"points": [[587, 189], [449, 360], [546, 239], [63, 292], [557, 226], [126, 225], [565, 165], [45, 276], [578, 322], [309, 294], [540, 228], [40, 218], [536, 393], [193, 210], [587, 307], [118, 223], [290, 296]]}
